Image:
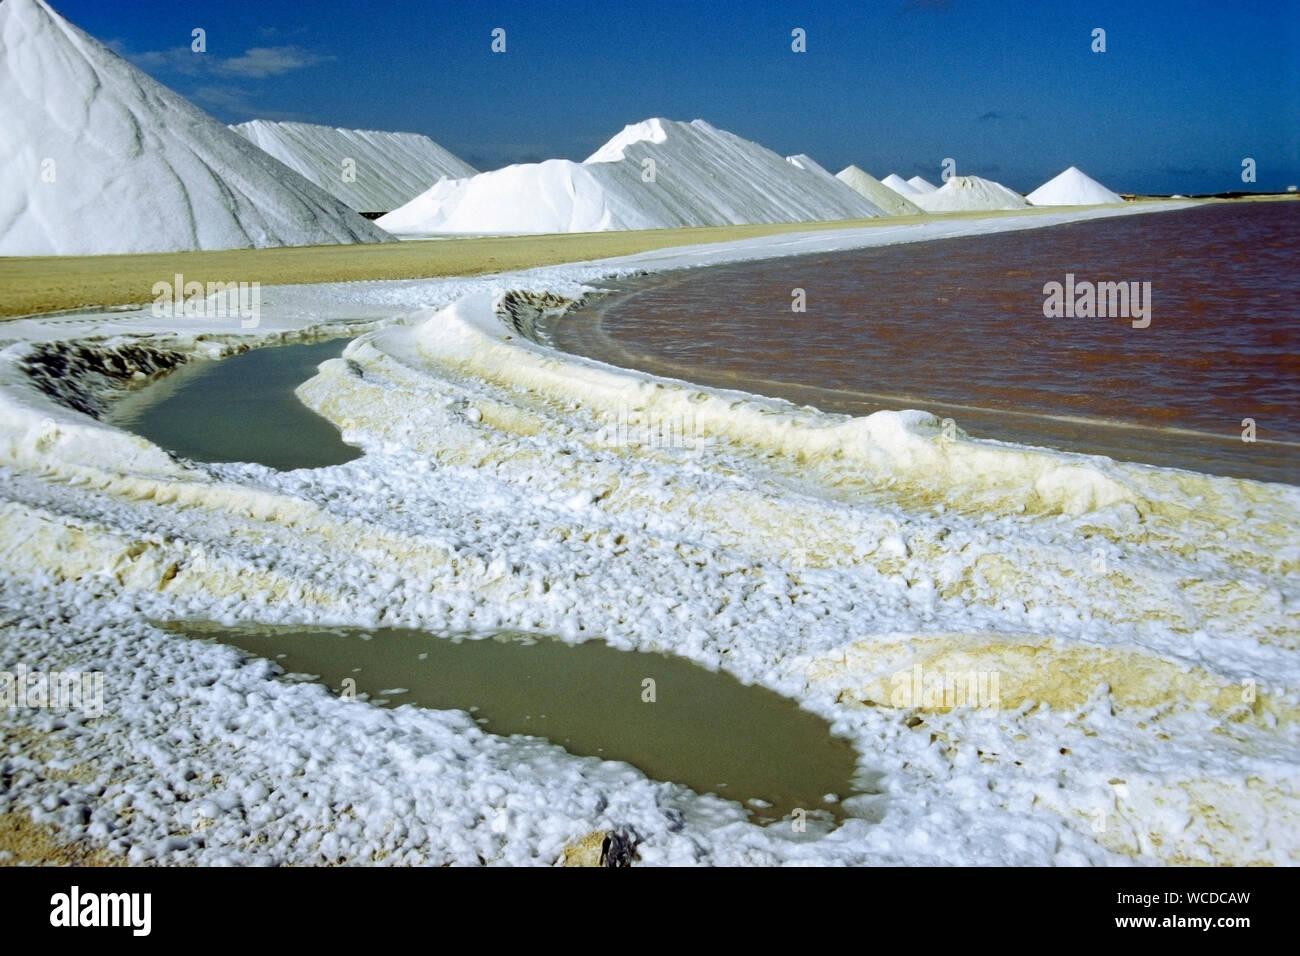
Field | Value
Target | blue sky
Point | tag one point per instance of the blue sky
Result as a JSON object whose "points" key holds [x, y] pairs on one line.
{"points": [[1010, 90]]}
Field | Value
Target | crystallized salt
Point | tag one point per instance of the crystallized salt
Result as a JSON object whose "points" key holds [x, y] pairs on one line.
{"points": [[105, 532], [964, 193], [804, 161], [922, 185], [900, 185], [370, 170], [1072, 188], [100, 158], [869, 186], [656, 174]]}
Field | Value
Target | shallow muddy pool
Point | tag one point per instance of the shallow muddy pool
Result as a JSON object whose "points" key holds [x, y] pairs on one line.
{"points": [[692, 726], [241, 408]]}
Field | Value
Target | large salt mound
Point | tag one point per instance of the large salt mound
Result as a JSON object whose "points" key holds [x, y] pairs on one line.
{"points": [[705, 176], [390, 168], [873, 189], [558, 195], [99, 158], [702, 176], [900, 185], [966, 193], [1072, 188], [804, 161], [922, 185]]}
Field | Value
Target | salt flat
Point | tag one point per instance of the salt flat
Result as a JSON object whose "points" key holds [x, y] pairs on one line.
{"points": [[817, 555]]}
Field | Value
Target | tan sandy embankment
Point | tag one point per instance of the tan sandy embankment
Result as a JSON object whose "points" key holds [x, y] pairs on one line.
{"points": [[30, 284]]}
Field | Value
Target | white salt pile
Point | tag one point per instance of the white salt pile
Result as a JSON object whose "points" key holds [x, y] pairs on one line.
{"points": [[656, 174], [370, 170], [966, 193], [555, 196], [1072, 188], [100, 158], [889, 200], [900, 185], [922, 185]]}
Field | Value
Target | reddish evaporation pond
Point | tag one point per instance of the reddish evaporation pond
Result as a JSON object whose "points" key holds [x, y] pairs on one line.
{"points": [[956, 327]]}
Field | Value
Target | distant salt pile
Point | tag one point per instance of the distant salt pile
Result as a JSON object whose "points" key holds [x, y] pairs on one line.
{"points": [[99, 158], [387, 169], [922, 185], [877, 192], [900, 185], [1072, 188], [656, 174], [969, 193]]}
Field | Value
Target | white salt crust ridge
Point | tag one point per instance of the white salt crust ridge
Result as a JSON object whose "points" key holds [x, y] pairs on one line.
{"points": [[657, 174], [968, 194], [877, 192], [389, 168], [100, 158], [922, 185], [814, 554], [1072, 187]]}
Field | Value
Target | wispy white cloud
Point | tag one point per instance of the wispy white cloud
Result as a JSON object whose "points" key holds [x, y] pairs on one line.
{"points": [[254, 63], [234, 102], [262, 61], [178, 59], [223, 84]]}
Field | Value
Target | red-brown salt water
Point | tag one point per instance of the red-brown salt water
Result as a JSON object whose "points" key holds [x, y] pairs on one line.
{"points": [[957, 327]]}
